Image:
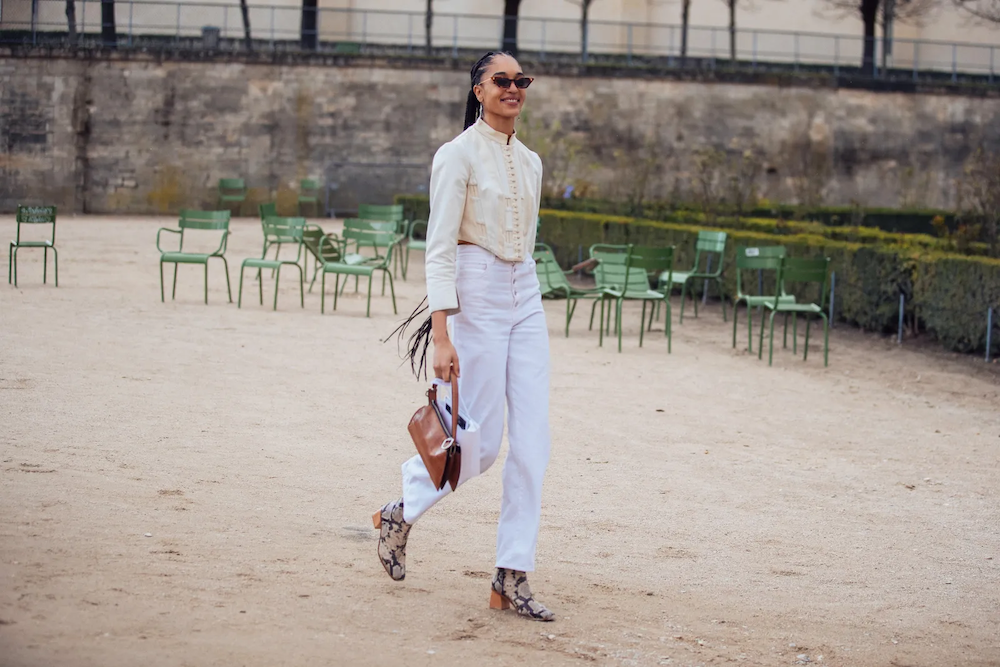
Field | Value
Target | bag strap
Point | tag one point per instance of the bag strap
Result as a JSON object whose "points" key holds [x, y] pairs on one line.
{"points": [[454, 408]]}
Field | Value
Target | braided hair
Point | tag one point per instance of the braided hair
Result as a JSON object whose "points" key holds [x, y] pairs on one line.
{"points": [[472, 105]]}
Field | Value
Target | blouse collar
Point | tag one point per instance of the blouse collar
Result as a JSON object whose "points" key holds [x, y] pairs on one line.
{"points": [[500, 137]]}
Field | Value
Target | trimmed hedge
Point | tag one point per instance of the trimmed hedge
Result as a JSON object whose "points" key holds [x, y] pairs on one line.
{"points": [[898, 221], [949, 293], [417, 208]]}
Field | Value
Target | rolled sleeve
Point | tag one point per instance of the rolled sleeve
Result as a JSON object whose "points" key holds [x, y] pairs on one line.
{"points": [[449, 181]]}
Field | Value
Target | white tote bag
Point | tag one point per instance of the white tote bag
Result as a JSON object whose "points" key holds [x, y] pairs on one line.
{"points": [[468, 431]]}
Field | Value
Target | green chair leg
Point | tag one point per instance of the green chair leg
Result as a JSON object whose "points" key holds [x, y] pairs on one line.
{"points": [[826, 340], [173, 293], [600, 325], [618, 316], [260, 285], [45, 265], [15, 266], [368, 309], [335, 286], [683, 299], [277, 280], [206, 282], [322, 294], [805, 349], [55, 262], [162, 296], [736, 305], [668, 326], [770, 354], [795, 333], [229, 288], [392, 291], [722, 298], [239, 294], [302, 286]]}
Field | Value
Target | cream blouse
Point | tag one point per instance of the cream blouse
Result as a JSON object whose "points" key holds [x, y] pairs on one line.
{"points": [[485, 189]]}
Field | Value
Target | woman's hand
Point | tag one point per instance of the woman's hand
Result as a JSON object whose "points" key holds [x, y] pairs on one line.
{"points": [[445, 360], [445, 356]]}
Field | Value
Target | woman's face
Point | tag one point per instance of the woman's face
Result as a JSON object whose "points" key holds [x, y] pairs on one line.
{"points": [[503, 102]]}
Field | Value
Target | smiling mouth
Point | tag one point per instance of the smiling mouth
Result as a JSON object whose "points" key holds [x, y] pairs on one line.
{"points": [[510, 100]]}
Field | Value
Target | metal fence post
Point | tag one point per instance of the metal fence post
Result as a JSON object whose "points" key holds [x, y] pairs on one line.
{"points": [[629, 43], [954, 62], [364, 29], [178, 22], [836, 55], [272, 27], [130, 3], [454, 36], [989, 332], [754, 65], [902, 307], [796, 52], [833, 294], [992, 53], [409, 33], [916, 60]]}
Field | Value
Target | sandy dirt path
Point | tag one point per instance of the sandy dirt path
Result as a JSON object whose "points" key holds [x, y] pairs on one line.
{"points": [[700, 507]]}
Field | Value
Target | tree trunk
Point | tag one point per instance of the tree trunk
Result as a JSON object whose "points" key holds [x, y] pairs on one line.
{"points": [[869, 15], [428, 25], [732, 31], [246, 25], [685, 17], [109, 32], [307, 31], [71, 20], [584, 37], [510, 10], [888, 21]]}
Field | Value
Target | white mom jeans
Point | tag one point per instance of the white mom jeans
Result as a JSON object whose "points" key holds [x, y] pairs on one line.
{"points": [[502, 342]]}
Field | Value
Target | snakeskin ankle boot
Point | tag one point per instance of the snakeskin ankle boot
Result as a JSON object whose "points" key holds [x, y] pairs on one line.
{"points": [[392, 540], [510, 589]]}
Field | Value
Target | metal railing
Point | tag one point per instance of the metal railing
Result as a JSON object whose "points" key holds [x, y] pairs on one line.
{"points": [[219, 27]]}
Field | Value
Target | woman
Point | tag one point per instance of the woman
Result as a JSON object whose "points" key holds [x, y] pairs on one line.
{"points": [[484, 196]]}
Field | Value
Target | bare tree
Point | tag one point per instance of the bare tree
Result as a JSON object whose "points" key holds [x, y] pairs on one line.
{"points": [[584, 26], [246, 25], [685, 22], [109, 31], [429, 25], [307, 29], [871, 10], [71, 20], [986, 10], [510, 11]]}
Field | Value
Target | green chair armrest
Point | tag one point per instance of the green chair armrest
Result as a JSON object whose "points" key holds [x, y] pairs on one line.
{"points": [[160, 231]]}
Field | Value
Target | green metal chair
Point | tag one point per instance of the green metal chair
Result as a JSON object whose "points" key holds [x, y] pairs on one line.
{"points": [[711, 246], [276, 231], [609, 273], [414, 242], [34, 215], [553, 282], [766, 258], [388, 213], [357, 265], [232, 191], [309, 195], [195, 221], [792, 270], [639, 262]]}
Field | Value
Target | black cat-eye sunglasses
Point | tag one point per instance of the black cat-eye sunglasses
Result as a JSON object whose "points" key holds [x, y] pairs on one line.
{"points": [[504, 82]]}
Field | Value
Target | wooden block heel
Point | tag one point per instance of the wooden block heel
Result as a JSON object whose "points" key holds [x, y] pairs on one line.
{"points": [[498, 601], [377, 519]]}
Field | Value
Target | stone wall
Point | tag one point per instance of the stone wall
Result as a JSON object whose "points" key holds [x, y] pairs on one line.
{"points": [[108, 135]]}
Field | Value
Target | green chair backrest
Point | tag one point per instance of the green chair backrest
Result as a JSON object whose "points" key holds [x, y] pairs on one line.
{"points": [[324, 247], [640, 261], [763, 258], [390, 213], [710, 244], [610, 270], [374, 237], [191, 219], [550, 275], [283, 230], [232, 184], [268, 210], [36, 215], [308, 185], [798, 270]]}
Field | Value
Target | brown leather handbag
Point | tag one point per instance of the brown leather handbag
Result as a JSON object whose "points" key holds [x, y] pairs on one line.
{"points": [[438, 449]]}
